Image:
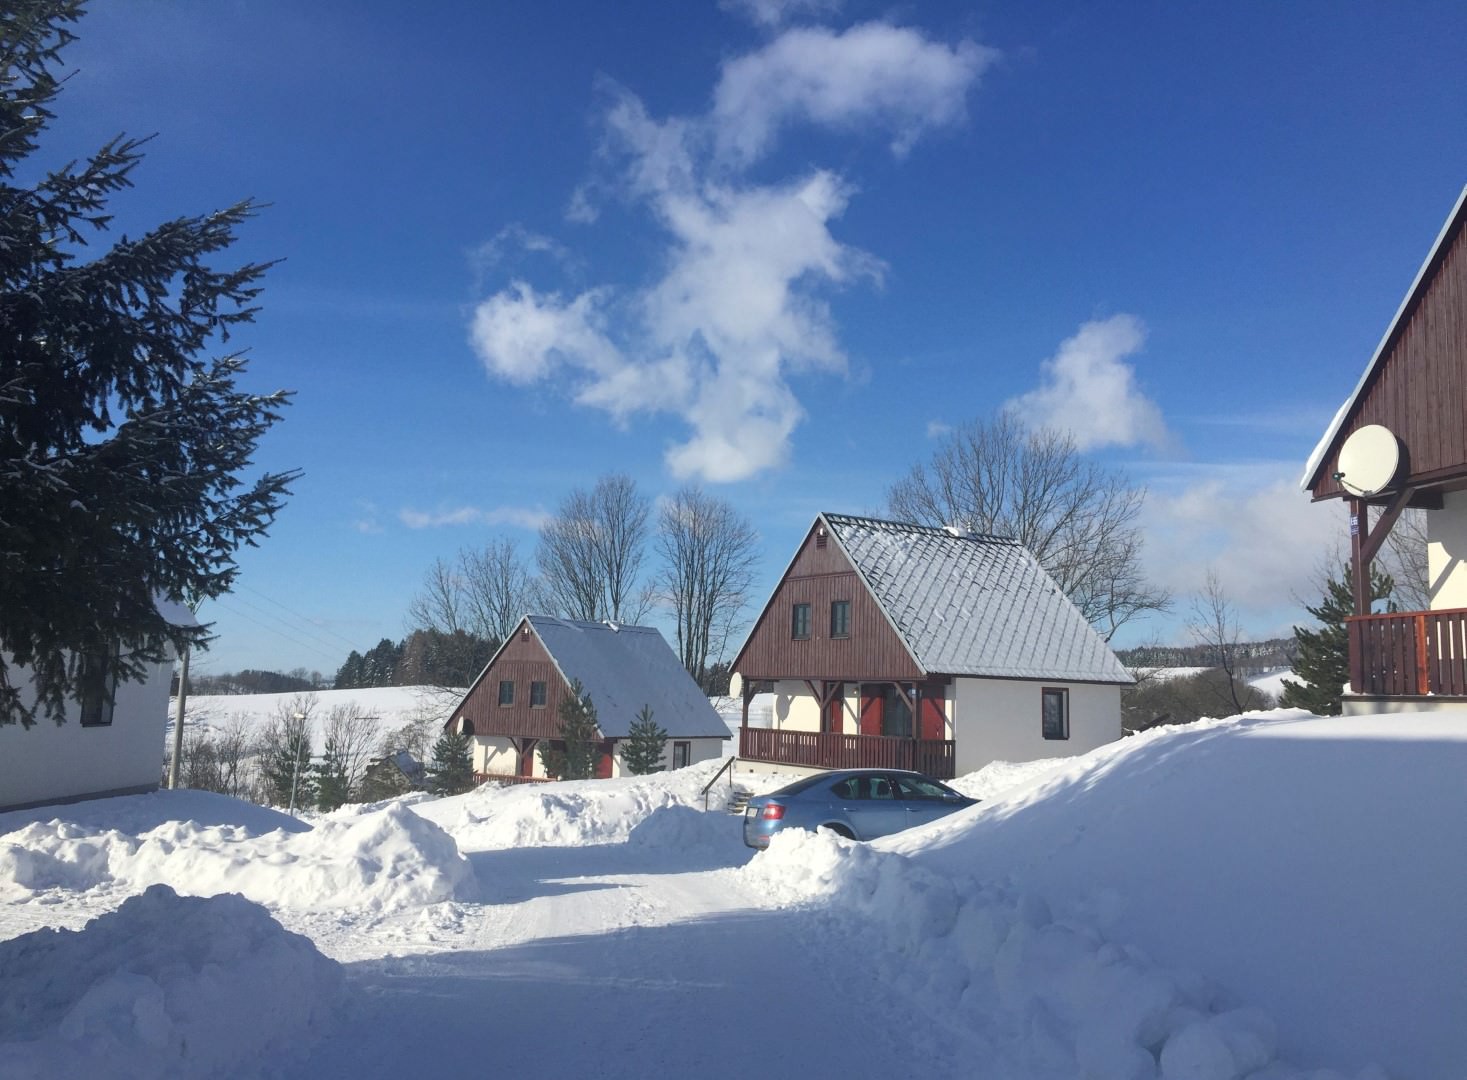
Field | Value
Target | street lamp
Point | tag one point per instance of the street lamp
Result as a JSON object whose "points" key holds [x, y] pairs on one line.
{"points": [[295, 761]]}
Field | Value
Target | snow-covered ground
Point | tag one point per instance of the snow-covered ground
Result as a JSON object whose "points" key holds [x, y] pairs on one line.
{"points": [[390, 706], [1269, 897]]}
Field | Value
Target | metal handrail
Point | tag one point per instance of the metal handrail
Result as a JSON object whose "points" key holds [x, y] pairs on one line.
{"points": [[727, 768]]}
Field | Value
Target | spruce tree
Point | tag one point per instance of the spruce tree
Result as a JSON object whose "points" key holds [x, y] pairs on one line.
{"points": [[642, 751], [286, 766], [332, 786], [578, 756], [122, 443], [451, 772], [1324, 654]]}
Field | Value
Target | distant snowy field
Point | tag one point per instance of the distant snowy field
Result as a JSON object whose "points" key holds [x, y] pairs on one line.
{"points": [[1276, 897], [392, 706]]}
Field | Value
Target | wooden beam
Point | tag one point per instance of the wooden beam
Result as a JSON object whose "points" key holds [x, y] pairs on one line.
{"points": [[1359, 565], [1386, 522]]}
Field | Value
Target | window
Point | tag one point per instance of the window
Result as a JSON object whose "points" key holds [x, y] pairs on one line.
{"points": [[682, 754], [537, 695], [506, 692], [97, 681], [800, 621], [1055, 708], [840, 618]]}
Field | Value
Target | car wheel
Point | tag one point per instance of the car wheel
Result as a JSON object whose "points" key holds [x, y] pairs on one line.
{"points": [[839, 830]]}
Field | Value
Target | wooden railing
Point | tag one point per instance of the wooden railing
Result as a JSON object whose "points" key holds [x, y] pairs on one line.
{"points": [[831, 750], [1407, 654], [508, 778]]}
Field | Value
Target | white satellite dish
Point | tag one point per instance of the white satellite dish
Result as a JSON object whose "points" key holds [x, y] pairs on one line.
{"points": [[1369, 460], [735, 684]]}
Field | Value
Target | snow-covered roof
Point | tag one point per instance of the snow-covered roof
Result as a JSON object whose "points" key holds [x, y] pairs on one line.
{"points": [[974, 605], [1321, 450], [625, 667]]}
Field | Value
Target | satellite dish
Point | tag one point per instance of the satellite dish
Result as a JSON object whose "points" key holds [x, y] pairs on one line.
{"points": [[1369, 460], [735, 684]]}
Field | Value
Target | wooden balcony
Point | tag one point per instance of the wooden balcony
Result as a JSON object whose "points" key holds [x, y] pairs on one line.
{"points": [[508, 778], [1409, 654], [830, 750]]}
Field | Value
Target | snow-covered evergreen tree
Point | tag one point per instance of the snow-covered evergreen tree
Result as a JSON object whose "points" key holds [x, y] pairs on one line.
{"points": [[122, 443], [642, 751], [451, 771], [1324, 654], [578, 754]]}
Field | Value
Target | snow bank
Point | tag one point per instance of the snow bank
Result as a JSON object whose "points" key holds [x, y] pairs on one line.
{"points": [[1211, 901], [686, 828], [377, 862], [163, 986], [999, 777], [569, 813]]}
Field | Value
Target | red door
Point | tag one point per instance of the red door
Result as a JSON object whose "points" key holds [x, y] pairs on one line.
{"points": [[871, 708], [835, 711], [527, 756], [603, 765]]}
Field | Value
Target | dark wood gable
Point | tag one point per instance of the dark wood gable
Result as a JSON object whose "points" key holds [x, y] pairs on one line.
{"points": [[521, 660], [1417, 383], [820, 575]]}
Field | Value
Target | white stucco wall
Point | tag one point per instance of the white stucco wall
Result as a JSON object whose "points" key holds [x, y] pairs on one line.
{"points": [[699, 750], [795, 708], [495, 754], [51, 763], [1000, 720], [1446, 551]]}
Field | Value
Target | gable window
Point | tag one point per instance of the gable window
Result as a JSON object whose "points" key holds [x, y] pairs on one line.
{"points": [[537, 695], [840, 618], [506, 692], [97, 683], [1055, 712], [800, 621]]}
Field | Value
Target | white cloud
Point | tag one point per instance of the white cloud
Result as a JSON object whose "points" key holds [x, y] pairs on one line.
{"points": [[871, 75], [520, 335], [519, 517], [1088, 390], [771, 13], [1252, 525], [740, 303], [936, 429]]}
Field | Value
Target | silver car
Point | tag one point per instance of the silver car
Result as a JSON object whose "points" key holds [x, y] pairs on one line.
{"points": [[859, 804]]}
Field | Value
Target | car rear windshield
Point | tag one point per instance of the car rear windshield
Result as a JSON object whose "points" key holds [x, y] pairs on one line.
{"points": [[799, 785]]}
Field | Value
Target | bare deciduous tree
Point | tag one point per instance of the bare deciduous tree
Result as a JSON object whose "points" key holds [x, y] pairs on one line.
{"points": [[708, 551], [1078, 518], [348, 737], [1405, 561], [1214, 624], [481, 592], [590, 554]]}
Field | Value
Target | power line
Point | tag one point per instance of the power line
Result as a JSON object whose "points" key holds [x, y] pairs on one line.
{"points": [[303, 618], [276, 630]]}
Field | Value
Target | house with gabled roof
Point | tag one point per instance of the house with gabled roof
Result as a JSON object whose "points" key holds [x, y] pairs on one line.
{"points": [[895, 645], [514, 704], [1398, 443]]}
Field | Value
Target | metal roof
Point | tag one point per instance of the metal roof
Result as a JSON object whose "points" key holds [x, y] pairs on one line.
{"points": [[974, 605], [625, 667]]}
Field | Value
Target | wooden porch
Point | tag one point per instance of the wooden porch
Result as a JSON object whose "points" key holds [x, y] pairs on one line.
{"points": [[508, 778], [833, 750], [1409, 654]]}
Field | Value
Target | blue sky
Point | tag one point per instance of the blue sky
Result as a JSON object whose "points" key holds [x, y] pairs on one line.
{"points": [[1178, 230]]}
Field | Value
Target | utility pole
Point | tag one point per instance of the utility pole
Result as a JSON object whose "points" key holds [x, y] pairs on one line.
{"points": [[173, 766]]}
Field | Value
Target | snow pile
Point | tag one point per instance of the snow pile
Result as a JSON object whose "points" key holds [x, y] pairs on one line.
{"points": [[382, 861], [686, 828], [1003, 776], [570, 813], [1301, 863], [163, 986]]}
